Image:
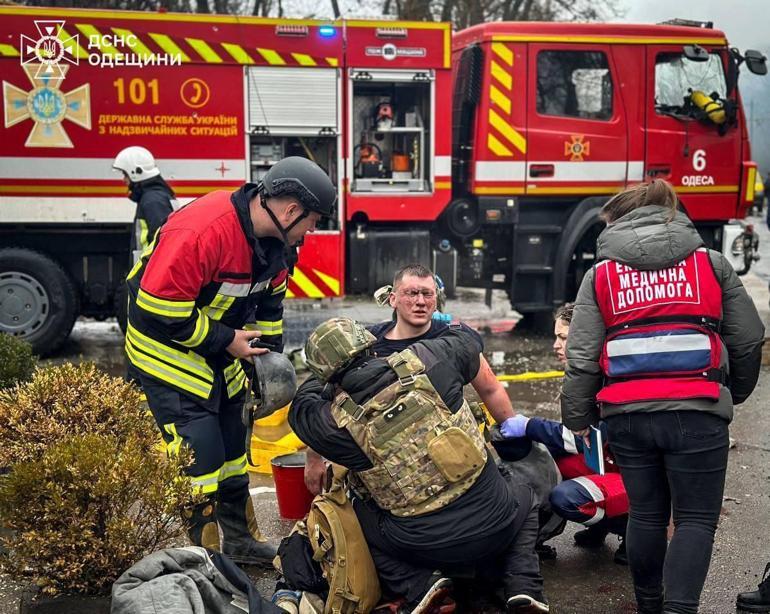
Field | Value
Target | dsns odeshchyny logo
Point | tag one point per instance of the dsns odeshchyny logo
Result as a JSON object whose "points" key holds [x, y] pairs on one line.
{"points": [[49, 50], [45, 62]]}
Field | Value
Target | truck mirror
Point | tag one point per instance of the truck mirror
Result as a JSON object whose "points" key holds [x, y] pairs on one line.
{"points": [[756, 62], [696, 53]]}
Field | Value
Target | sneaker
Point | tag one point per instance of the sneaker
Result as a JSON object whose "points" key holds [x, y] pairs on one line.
{"points": [[592, 537], [524, 604], [621, 558], [758, 600], [435, 598]]}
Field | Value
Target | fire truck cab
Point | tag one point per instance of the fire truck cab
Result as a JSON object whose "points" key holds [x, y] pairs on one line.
{"points": [[551, 119]]}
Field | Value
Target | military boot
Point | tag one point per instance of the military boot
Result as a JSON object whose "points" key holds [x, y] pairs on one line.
{"points": [[242, 540], [202, 526], [758, 600]]}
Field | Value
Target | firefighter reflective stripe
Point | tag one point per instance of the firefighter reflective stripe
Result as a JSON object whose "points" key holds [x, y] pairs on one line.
{"points": [[145, 255], [165, 373], [658, 351], [233, 468], [142, 230], [219, 306], [270, 328], [206, 483], [199, 334], [281, 287], [234, 378], [173, 446], [185, 370], [164, 307]]}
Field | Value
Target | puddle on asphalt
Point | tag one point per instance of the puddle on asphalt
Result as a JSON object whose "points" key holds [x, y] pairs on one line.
{"points": [[507, 353], [97, 342], [514, 353]]}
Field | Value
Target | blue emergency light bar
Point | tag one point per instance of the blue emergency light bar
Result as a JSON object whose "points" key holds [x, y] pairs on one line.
{"points": [[327, 31]]}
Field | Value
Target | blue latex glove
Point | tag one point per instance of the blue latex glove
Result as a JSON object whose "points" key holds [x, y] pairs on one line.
{"points": [[514, 427]]}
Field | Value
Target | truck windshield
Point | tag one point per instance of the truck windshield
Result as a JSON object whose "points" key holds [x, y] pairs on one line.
{"points": [[676, 78]]}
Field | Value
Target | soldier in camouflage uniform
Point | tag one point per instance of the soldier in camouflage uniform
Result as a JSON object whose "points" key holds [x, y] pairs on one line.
{"points": [[430, 500]]}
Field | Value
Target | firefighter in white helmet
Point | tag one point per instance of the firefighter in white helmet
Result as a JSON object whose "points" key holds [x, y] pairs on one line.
{"points": [[153, 197]]}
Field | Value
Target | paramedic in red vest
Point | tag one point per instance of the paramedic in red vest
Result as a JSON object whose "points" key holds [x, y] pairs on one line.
{"points": [[211, 283], [665, 338]]}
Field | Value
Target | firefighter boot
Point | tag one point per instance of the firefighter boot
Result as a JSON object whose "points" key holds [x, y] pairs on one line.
{"points": [[202, 526], [758, 600], [242, 540]]}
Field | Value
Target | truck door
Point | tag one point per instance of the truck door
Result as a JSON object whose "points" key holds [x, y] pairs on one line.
{"points": [[577, 128], [700, 161], [294, 111]]}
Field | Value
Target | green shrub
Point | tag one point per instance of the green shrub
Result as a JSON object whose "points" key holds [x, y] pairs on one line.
{"points": [[16, 361], [88, 509], [68, 400]]}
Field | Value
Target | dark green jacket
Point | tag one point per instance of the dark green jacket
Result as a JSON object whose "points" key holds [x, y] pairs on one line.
{"points": [[643, 240]]}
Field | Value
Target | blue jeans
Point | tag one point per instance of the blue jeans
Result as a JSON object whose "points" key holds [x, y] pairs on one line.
{"points": [[670, 461]]}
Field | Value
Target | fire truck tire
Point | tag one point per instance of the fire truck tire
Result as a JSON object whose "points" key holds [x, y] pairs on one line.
{"points": [[38, 301], [121, 306]]}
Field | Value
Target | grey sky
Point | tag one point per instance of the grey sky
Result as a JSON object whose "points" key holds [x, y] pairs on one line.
{"points": [[745, 22]]}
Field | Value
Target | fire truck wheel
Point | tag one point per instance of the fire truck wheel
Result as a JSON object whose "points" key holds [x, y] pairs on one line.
{"points": [[38, 301]]}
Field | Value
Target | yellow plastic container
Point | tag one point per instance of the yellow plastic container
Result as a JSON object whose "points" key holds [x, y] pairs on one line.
{"points": [[272, 436], [277, 418]]}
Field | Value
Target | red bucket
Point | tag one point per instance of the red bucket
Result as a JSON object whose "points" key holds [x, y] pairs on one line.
{"points": [[293, 496]]}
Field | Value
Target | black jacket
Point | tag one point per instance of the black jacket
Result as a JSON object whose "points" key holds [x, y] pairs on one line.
{"points": [[153, 205], [487, 507]]}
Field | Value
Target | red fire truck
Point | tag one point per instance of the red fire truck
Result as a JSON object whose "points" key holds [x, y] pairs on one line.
{"points": [[485, 156]]}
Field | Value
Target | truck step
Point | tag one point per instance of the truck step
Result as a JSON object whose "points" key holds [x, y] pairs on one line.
{"points": [[533, 269]]}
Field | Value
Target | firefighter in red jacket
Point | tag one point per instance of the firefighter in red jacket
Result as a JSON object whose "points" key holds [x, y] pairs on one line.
{"points": [[212, 282]]}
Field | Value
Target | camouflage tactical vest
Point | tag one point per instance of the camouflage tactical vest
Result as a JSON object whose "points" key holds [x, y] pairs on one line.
{"points": [[424, 455]]}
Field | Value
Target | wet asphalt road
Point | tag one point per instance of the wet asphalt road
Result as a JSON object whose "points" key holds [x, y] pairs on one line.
{"points": [[577, 581]]}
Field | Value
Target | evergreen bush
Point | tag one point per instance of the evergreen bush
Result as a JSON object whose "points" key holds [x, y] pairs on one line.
{"points": [[17, 362], [68, 400], [90, 507]]}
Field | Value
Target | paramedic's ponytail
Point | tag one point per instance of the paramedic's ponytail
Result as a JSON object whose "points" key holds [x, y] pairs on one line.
{"points": [[657, 192]]}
